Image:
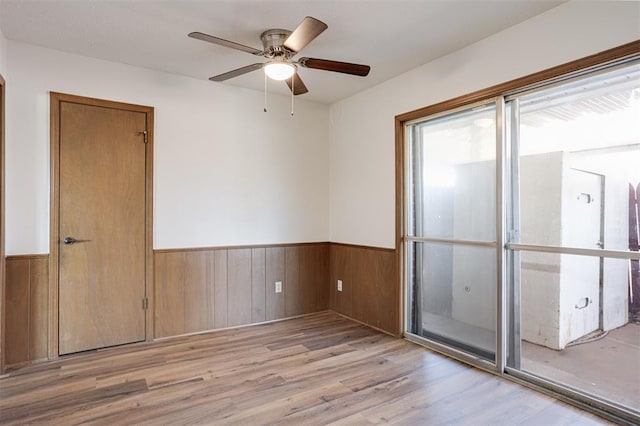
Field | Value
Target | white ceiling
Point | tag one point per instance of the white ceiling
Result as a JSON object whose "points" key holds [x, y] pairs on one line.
{"points": [[393, 36]]}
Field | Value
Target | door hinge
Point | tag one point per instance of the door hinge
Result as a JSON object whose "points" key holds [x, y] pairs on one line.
{"points": [[145, 303], [145, 134]]}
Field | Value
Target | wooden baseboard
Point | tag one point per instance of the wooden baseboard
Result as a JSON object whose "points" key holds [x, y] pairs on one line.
{"points": [[216, 330]]}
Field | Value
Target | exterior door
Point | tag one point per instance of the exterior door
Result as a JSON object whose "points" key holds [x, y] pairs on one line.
{"points": [[583, 227], [101, 270]]}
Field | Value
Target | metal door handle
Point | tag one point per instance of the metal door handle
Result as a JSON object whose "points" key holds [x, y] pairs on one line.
{"points": [[71, 240]]}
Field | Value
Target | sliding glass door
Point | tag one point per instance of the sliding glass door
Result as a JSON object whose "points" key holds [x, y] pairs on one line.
{"points": [[521, 235], [577, 176], [451, 233]]}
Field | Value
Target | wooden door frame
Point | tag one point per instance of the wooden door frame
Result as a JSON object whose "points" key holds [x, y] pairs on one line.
{"points": [[55, 100], [3, 293]]}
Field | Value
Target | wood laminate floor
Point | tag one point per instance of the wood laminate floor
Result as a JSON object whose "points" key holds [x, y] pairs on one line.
{"points": [[319, 369]]}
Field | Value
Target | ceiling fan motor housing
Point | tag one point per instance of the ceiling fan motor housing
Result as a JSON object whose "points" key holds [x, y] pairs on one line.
{"points": [[273, 44]]}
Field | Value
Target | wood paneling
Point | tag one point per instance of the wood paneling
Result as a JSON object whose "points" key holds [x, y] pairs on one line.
{"points": [[183, 295], [17, 311], [291, 285], [196, 294], [169, 297], [38, 307], [205, 289], [319, 369], [220, 289], [258, 285], [314, 274], [341, 269], [239, 288], [26, 308], [370, 285], [274, 272]]}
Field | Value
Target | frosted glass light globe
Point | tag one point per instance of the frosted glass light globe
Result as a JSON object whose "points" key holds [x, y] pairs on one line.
{"points": [[279, 70]]}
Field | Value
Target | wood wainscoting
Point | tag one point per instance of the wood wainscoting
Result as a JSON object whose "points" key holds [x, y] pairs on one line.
{"points": [[201, 289], [370, 287], [26, 308], [205, 289]]}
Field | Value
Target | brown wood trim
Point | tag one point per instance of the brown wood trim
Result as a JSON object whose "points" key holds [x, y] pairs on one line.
{"points": [[2, 259], [598, 59], [54, 237], [399, 164], [65, 97], [149, 278], [26, 257], [248, 246], [55, 100], [386, 249], [602, 58], [179, 337]]}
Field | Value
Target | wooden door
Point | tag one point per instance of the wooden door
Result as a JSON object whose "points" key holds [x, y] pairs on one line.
{"points": [[101, 252]]}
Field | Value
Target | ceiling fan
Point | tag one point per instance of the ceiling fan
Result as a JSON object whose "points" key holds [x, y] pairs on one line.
{"points": [[280, 46]]}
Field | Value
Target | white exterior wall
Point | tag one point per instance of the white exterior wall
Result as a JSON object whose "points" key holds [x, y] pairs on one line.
{"points": [[362, 157], [552, 285], [615, 288], [226, 173], [541, 189]]}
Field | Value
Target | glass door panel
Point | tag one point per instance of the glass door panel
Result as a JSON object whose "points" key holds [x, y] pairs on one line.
{"points": [[575, 227], [451, 230], [454, 291], [579, 156]]}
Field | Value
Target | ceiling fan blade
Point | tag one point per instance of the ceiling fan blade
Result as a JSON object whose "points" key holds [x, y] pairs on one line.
{"points": [[225, 43], [304, 34], [296, 85], [335, 66], [236, 72]]}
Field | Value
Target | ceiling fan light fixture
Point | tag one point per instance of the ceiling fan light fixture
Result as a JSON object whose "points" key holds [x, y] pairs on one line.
{"points": [[279, 70], [279, 48]]}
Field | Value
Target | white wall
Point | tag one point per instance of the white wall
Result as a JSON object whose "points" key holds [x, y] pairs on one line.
{"points": [[617, 170], [541, 223], [226, 173], [362, 159], [3, 55]]}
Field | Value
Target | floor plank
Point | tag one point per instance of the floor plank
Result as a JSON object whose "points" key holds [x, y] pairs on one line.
{"points": [[315, 370]]}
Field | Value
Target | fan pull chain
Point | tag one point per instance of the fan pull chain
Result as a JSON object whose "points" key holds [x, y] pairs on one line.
{"points": [[293, 82], [265, 92]]}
